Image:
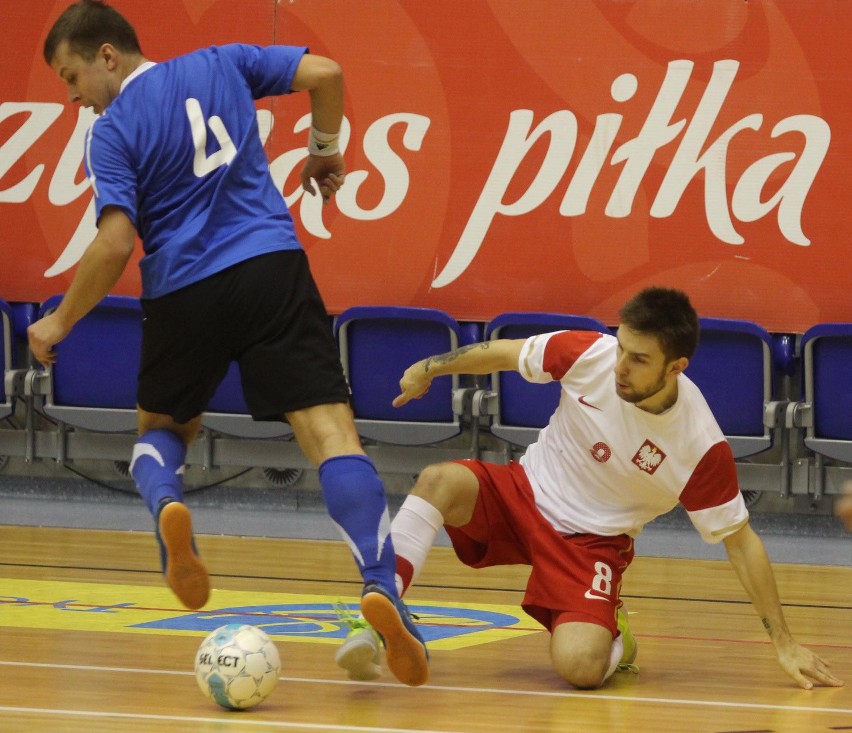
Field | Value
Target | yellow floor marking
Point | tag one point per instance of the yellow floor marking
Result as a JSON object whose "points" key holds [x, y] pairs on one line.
{"points": [[78, 606]]}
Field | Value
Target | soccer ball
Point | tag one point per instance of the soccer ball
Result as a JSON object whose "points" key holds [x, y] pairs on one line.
{"points": [[237, 666]]}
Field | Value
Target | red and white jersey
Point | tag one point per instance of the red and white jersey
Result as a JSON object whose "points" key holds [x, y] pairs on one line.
{"points": [[604, 466]]}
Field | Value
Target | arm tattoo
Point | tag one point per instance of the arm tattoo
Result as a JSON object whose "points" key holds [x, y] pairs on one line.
{"points": [[767, 625], [453, 355]]}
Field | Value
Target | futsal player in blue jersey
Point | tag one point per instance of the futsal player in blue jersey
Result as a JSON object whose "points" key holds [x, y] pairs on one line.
{"points": [[176, 156]]}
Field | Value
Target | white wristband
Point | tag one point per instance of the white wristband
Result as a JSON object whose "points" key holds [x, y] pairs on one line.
{"points": [[322, 143]]}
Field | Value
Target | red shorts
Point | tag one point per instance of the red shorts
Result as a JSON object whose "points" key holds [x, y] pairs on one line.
{"points": [[574, 577]]}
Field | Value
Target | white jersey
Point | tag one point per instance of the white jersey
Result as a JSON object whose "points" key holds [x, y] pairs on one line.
{"points": [[607, 467]]}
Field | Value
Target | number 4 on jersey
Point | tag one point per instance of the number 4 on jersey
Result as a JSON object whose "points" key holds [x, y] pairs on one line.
{"points": [[204, 164]]}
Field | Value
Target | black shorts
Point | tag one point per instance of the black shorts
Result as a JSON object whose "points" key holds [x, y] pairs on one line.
{"points": [[264, 313]]}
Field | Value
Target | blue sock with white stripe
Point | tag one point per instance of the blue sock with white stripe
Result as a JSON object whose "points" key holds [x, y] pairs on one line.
{"points": [[157, 467], [355, 497]]}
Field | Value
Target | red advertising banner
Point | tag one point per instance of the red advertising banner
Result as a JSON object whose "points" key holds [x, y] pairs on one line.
{"points": [[507, 156]]}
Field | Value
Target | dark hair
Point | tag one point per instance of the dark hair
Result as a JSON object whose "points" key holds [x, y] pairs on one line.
{"points": [[87, 25], [666, 314]]}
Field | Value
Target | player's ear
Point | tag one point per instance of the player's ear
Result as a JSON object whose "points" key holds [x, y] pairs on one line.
{"points": [[108, 53], [678, 365]]}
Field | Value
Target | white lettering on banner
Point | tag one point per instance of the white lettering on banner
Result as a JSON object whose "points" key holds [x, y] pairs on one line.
{"points": [[64, 187], [790, 197], [695, 156], [41, 116], [390, 166], [746, 204], [562, 127], [603, 136], [657, 131]]}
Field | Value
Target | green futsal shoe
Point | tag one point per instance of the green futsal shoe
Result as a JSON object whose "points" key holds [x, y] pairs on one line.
{"points": [[631, 648], [359, 654]]}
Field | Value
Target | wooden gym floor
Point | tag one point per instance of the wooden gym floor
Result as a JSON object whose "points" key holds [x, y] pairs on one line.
{"points": [[90, 640]]}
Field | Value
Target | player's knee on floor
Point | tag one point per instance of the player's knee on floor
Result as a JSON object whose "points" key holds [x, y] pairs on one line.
{"points": [[585, 671], [580, 653]]}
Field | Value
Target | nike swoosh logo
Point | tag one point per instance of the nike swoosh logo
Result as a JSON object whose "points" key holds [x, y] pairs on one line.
{"points": [[582, 400], [145, 449], [593, 597]]}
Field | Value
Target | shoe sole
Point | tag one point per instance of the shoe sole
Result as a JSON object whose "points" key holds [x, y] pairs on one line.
{"points": [[359, 661], [405, 654], [185, 573]]}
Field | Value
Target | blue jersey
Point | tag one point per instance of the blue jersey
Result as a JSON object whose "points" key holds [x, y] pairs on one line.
{"points": [[179, 151]]}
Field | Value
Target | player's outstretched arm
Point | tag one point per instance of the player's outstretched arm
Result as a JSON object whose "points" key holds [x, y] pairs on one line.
{"points": [[483, 358], [748, 556]]}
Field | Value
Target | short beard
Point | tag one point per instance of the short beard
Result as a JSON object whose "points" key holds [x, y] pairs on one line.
{"points": [[642, 396]]}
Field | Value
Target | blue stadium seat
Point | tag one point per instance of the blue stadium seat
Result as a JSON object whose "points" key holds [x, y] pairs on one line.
{"points": [[522, 409], [377, 344], [6, 325], [734, 369], [827, 373], [92, 385]]}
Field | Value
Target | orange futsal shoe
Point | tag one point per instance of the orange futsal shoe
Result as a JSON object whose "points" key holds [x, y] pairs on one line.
{"points": [[185, 574], [406, 653]]}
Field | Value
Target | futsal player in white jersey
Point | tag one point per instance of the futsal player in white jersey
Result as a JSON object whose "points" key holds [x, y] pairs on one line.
{"points": [[176, 157], [631, 438]]}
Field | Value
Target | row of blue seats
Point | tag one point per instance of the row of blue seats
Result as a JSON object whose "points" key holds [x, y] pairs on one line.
{"points": [[744, 372], [738, 367]]}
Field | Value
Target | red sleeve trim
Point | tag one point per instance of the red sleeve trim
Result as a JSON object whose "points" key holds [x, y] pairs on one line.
{"points": [[564, 348], [714, 480]]}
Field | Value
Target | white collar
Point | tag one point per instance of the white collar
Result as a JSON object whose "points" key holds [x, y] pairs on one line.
{"points": [[141, 69]]}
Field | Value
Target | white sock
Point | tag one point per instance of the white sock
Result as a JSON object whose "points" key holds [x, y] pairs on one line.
{"points": [[615, 655], [413, 530]]}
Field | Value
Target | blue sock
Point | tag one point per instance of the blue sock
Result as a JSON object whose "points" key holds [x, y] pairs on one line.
{"points": [[355, 497], [157, 467]]}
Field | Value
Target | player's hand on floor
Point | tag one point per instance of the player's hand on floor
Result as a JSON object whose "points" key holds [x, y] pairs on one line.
{"points": [[807, 668]]}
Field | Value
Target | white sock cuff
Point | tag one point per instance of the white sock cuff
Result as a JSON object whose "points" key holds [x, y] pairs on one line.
{"points": [[615, 654], [423, 509]]}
